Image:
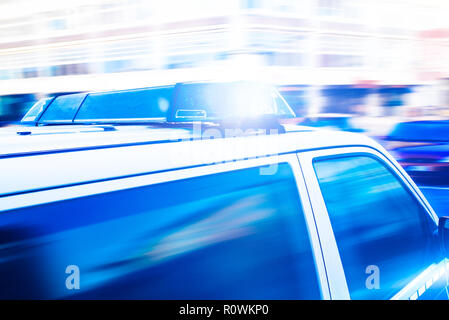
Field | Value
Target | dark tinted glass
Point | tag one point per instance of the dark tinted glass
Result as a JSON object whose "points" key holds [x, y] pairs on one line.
{"points": [[376, 222], [63, 108], [236, 235], [129, 104]]}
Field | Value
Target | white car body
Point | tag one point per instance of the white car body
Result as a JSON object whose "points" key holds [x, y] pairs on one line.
{"points": [[41, 166]]}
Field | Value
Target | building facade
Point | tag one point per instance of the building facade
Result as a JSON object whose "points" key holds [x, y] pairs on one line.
{"points": [[326, 55]]}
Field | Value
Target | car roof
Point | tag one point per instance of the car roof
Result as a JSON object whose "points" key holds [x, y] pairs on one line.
{"points": [[48, 159], [23, 140], [16, 141]]}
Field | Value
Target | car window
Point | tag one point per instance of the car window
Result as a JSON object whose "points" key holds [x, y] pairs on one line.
{"points": [[383, 234], [231, 235]]}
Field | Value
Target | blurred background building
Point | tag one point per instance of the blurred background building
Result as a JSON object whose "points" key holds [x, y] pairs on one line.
{"points": [[376, 58]]}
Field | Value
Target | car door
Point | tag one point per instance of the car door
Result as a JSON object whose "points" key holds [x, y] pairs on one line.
{"points": [[240, 230], [377, 231]]}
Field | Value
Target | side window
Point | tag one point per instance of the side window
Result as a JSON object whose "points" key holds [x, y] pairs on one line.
{"points": [[383, 234], [231, 235]]}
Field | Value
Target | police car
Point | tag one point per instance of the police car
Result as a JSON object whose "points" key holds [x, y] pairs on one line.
{"points": [[164, 193]]}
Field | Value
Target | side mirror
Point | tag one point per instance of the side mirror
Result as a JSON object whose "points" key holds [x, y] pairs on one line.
{"points": [[443, 235]]}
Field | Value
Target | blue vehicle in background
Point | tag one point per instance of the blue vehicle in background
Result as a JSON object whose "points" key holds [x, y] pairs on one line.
{"points": [[422, 148]]}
